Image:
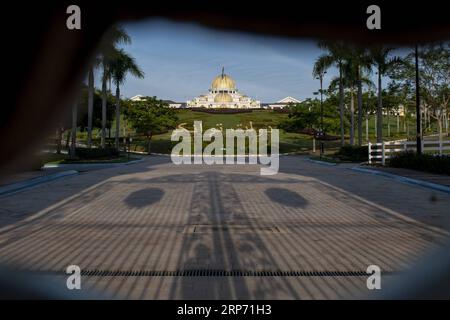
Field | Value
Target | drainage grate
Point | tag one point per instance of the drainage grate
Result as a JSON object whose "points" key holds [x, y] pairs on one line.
{"points": [[232, 229], [225, 273]]}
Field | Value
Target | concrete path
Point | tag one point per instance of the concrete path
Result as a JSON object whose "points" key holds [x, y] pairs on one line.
{"points": [[154, 216]]}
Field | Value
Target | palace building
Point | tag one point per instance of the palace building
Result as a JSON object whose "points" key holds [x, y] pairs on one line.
{"points": [[223, 94]]}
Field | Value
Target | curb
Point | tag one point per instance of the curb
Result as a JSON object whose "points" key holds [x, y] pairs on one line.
{"points": [[410, 181], [225, 155], [159, 154], [90, 165], [323, 162], [19, 186]]}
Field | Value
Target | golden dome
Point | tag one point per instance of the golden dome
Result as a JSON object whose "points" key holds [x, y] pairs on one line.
{"points": [[222, 82], [223, 97]]}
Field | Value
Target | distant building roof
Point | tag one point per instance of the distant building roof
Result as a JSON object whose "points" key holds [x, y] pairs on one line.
{"points": [[289, 99], [137, 97]]}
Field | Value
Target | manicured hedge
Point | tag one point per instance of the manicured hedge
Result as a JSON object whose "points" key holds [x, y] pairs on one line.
{"points": [[281, 110], [424, 162], [353, 153], [96, 153], [222, 111]]}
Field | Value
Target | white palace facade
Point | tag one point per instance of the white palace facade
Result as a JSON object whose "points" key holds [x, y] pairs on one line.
{"points": [[223, 94]]}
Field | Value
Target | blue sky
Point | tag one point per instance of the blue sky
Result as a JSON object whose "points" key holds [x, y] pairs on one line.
{"points": [[180, 60]]}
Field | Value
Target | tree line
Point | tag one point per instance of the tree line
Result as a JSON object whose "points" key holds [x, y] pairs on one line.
{"points": [[353, 92], [113, 64]]}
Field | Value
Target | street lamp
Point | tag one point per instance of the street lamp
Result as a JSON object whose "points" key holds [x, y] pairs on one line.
{"points": [[418, 120], [322, 132]]}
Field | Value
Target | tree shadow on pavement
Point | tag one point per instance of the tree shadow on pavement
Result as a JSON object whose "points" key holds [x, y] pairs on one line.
{"points": [[144, 197], [286, 197]]}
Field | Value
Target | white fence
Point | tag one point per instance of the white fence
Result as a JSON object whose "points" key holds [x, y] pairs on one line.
{"points": [[379, 152]]}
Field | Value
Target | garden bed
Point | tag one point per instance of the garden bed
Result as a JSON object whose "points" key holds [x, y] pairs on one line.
{"points": [[425, 162]]}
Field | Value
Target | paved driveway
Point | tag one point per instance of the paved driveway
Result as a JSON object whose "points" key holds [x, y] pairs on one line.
{"points": [[134, 230]]}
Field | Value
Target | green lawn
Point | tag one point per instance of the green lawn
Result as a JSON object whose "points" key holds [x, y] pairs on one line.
{"points": [[289, 142], [259, 119]]}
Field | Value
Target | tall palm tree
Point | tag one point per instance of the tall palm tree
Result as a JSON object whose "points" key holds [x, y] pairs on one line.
{"points": [[362, 65], [107, 50], [356, 64], [91, 89], [382, 61], [336, 54], [121, 64], [350, 81], [90, 103], [319, 70]]}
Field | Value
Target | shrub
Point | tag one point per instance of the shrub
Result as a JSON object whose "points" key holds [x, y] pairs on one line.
{"points": [[222, 111], [281, 110], [353, 153], [424, 162], [96, 153]]}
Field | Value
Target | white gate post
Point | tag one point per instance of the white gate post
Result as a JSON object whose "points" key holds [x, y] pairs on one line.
{"points": [[383, 154], [370, 152]]}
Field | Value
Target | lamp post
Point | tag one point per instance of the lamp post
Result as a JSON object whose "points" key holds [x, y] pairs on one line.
{"points": [[322, 133], [418, 120]]}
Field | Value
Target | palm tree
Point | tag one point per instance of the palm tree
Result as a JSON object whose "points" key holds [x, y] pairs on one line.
{"points": [[121, 64], [336, 53], [107, 49], [319, 70], [360, 62], [91, 88], [359, 65], [90, 103], [380, 58], [350, 82]]}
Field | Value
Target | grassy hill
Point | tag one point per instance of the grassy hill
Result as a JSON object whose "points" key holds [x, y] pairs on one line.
{"points": [[259, 119]]}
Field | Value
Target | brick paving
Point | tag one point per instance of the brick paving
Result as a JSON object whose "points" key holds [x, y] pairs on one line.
{"points": [[157, 216]]}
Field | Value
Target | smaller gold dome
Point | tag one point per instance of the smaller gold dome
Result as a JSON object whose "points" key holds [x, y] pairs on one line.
{"points": [[223, 97]]}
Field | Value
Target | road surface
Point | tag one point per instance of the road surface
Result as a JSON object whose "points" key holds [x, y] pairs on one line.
{"points": [[154, 230]]}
